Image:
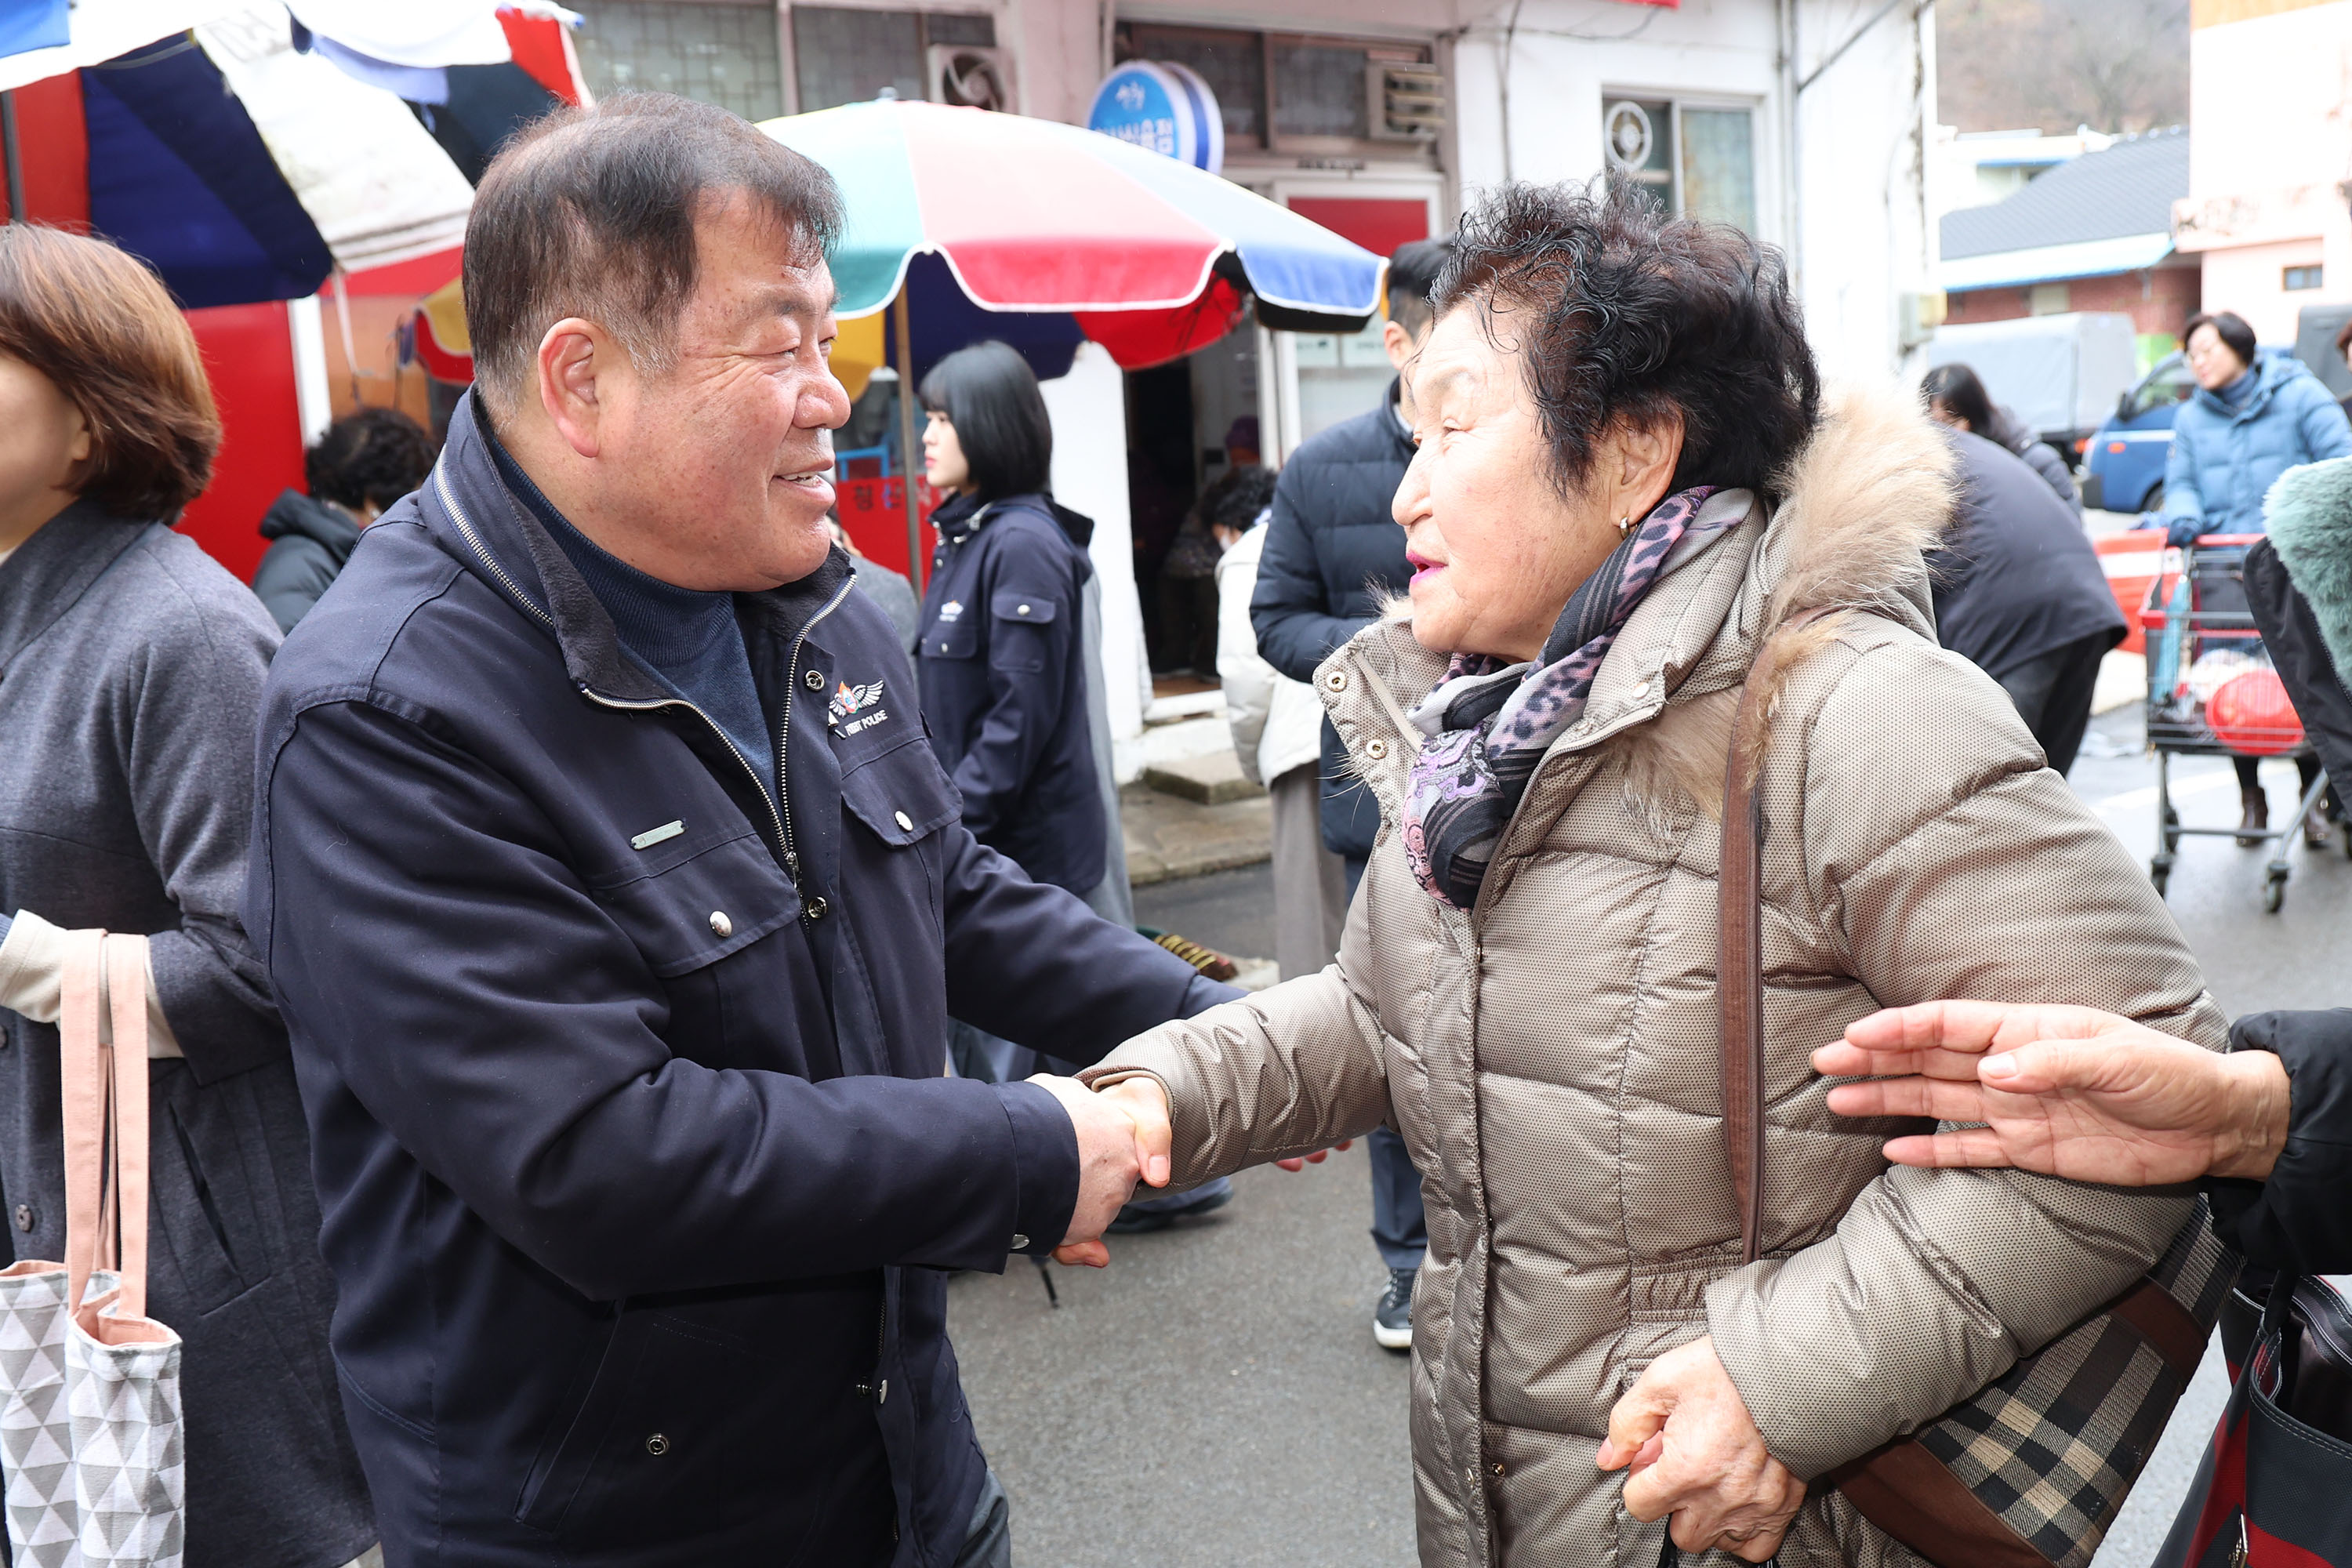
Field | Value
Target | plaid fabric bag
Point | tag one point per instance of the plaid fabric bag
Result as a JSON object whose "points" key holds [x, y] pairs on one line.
{"points": [[2031, 1473], [2049, 1451], [89, 1393]]}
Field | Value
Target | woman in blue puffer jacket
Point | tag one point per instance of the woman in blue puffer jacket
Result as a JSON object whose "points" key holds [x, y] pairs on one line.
{"points": [[2250, 419]]}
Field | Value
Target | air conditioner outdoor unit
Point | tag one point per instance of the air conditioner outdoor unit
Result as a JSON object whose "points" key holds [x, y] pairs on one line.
{"points": [[1406, 102], [970, 74]]}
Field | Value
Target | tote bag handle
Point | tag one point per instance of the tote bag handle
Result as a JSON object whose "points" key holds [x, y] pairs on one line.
{"points": [[102, 1092]]}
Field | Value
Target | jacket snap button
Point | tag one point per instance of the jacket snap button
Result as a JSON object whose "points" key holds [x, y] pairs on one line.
{"points": [[1024, 609], [656, 1445], [1019, 1241], [1336, 682], [1376, 748], [906, 824], [26, 1218], [720, 926], [816, 907], [815, 680]]}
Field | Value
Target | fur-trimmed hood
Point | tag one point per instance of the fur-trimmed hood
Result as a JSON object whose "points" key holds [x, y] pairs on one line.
{"points": [[2310, 515], [1867, 498]]}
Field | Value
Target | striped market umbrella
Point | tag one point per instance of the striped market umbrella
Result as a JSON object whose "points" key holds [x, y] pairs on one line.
{"points": [[245, 157], [1147, 257]]}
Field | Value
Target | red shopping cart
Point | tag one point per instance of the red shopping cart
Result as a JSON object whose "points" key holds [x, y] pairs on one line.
{"points": [[2212, 692]]}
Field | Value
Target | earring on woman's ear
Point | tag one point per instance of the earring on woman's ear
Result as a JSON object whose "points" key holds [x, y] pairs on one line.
{"points": [[1624, 526]]}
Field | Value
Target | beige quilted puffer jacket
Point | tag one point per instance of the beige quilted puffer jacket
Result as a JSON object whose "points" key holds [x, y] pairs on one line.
{"points": [[1551, 1057]]}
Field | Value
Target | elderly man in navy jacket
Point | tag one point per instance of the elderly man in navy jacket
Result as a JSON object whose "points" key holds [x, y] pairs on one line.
{"points": [[616, 907]]}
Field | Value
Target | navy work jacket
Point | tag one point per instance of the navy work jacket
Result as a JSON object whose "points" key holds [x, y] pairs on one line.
{"points": [[1005, 685], [639, 1172]]}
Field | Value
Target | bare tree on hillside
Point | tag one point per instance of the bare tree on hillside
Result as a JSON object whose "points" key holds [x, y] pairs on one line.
{"points": [[2112, 65]]}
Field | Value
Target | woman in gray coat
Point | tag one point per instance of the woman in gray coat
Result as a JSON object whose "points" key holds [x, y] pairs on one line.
{"points": [[131, 671]]}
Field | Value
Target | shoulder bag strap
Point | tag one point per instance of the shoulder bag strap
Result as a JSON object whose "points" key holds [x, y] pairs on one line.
{"points": [[1739, 970]]}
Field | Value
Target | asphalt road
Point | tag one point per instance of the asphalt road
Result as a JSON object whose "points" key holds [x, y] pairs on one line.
{"points": [[1214, 1399]]}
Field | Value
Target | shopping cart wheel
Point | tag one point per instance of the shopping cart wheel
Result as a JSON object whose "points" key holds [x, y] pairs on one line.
{"points": [[2274, 890], [2159, 871]]}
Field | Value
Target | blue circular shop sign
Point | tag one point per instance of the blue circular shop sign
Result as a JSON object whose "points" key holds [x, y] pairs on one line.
{"points": [[1163, 108]]}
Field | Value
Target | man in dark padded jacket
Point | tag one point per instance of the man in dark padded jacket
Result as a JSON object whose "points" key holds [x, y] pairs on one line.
{"points": [[1332, 552], [617, 905]]}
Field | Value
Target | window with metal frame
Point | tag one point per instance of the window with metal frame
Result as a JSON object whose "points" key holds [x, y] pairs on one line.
{"points": [[725, 54], [1286, 92], [1695, 159], [849, 55]]}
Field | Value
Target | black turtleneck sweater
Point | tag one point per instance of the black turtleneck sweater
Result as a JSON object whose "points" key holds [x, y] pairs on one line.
{"points": [[687, 638]]}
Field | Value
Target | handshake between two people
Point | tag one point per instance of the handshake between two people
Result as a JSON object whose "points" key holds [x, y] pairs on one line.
{"points": [[1123, 1140]]}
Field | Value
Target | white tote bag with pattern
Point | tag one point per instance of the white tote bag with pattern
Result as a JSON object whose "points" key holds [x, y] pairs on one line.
{"points": [[90, 1399]]}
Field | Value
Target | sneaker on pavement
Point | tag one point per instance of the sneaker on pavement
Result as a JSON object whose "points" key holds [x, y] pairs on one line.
{"points": [[1392, 1319], [1146, 1214]]}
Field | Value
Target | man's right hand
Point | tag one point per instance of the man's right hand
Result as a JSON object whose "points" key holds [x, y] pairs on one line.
{"points": [[1122, 1136]]}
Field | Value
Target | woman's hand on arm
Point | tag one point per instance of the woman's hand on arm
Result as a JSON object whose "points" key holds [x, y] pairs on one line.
{"points": [[2063, 1091], [1694, 1452]]}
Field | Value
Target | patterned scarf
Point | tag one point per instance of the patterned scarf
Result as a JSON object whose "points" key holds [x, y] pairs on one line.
{"points": [[1490, 723]]}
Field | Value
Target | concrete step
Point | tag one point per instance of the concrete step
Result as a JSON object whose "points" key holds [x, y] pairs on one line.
{"points": [[1169, 837], [1212, 780]]}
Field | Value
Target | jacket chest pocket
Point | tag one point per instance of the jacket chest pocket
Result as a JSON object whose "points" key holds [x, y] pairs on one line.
{"points": [[695, 908], [956, 639], [901, 792], [689, 911]]}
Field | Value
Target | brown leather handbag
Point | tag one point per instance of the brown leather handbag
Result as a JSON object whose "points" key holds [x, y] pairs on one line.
{"points": [[2030, 1472]]}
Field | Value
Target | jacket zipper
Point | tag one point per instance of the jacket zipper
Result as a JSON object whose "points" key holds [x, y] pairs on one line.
{"points": [[466, 527], [812, 908]]}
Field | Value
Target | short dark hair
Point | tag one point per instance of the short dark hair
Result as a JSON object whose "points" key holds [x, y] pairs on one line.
{"points": [[1633, 315], [2229, 326], [989, 394], [1235, 498], [371, 457], [102, 327], [591, 213], [1957, 388], [1414, 271]]}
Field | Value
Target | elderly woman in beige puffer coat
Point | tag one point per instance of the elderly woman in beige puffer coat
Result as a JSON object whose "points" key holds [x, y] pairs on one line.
{"points": [[1626, 480]]}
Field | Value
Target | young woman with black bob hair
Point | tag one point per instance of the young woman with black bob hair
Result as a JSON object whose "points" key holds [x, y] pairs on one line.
{"points": [[1002, 659]]}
